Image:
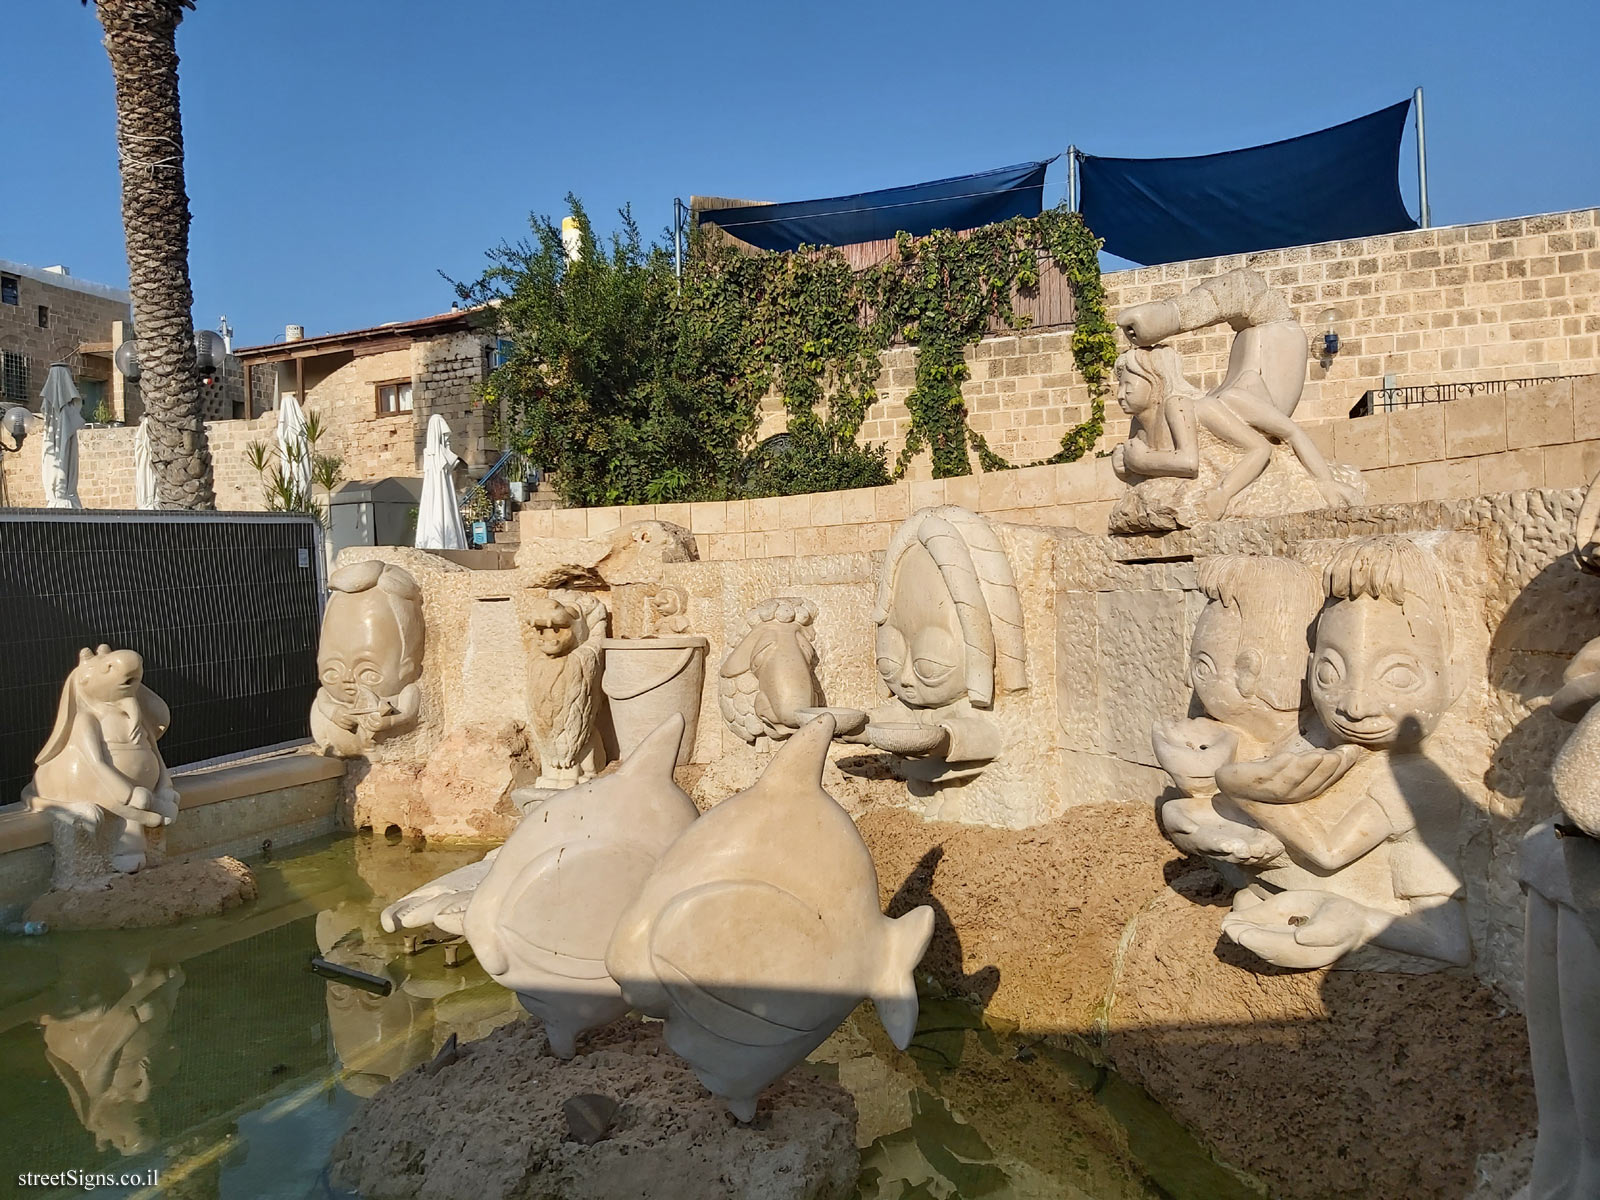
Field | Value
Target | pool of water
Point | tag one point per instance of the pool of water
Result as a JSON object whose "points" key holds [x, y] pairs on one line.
{"points": [[212, 1055]]}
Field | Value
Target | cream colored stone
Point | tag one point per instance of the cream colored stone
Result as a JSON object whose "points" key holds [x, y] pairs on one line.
{"points": [[770, 675], [564, 662], [1475, 425], [645, 681], [759, 931], [369, 658], [540, 920], [100, 774], [629, 554], [1247, 412]]}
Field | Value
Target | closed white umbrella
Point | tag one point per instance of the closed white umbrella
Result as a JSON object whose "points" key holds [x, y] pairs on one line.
{"points": [[144, 469], [62, 410], [294, 450], [439, 517]]}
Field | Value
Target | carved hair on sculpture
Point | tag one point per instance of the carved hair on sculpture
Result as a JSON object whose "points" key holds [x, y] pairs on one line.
{"points": [[1275, 601], [402, 596], [973, 567], [1159, 366], [1393, 568]]}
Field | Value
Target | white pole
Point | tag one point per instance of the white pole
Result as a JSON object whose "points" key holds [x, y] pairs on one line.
{"points": [[1425, 218], [1072, 178]]}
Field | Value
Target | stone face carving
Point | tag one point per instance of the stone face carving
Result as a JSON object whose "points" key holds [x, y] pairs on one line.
{"points": [[369, 658], [1560, 872], [770, 676], [667, 611], [1350, 836], [1202, 452], [540, 920], [564, 658], [949, 638], [100, 772], [759, 931]]}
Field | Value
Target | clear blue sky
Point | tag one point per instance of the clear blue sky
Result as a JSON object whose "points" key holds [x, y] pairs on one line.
{"points": [[341, 153]]}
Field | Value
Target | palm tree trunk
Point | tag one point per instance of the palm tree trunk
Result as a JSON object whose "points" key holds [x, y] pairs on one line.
{"points": [[141, 40]]}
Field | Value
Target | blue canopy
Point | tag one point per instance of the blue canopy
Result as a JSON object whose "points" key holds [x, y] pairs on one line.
{"points": [[1341, 182], [964, 202]]}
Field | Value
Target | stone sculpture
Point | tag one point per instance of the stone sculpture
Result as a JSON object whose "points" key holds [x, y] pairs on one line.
{"points": [[771, 677], [1247, 668], [369, 659], [100, 772], [1560, 872], [540, 920], [759, 931], [667, 608], [1204, 450], [1367, 824], [564, 656], [949, 639], [647, 679]]}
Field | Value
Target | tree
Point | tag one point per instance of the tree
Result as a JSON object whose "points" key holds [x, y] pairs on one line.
{"points": [[141, 41]]}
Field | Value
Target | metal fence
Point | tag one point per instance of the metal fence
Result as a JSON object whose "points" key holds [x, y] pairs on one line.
{"points": [[1388, 399], [225, 609]]}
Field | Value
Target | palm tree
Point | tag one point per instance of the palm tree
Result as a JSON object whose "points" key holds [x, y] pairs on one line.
{"points": [[141, 41]]}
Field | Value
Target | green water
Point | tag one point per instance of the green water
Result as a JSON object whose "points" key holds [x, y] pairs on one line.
{"points": [[210, 1054]]}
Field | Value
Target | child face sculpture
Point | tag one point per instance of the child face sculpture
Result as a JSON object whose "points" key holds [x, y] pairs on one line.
{"points": [[1222, 671], [362, 655], [1380, 675], [920, 650], [1134, 393]]}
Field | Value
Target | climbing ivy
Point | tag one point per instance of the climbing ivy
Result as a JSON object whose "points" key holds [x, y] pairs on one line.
{"points": [[635, 387]]}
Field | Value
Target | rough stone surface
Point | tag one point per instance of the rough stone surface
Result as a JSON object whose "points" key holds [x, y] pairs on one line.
{"points": [[1331, 1084], [1168, 503], [630, 554], [160, 895], [492, 1125], [462, 790]]}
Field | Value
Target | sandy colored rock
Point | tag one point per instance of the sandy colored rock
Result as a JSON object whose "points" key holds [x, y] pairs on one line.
{"points": [[1330, 1084], [628, 555], [463, 790], [492, 1124], [1026, 921], [161, 895]]}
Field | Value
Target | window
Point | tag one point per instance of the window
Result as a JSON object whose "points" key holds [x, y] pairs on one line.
{"points": [[14, 376], [394, 397], [8, 290], [44, 316]]}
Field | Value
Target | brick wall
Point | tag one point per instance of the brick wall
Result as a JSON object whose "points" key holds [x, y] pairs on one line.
{"points": [[1542, 436], [1498, 300]]}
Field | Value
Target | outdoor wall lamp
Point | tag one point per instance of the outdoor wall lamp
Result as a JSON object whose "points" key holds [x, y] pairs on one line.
{"points": [[1330, 339], [209, 349], [15, 423]]}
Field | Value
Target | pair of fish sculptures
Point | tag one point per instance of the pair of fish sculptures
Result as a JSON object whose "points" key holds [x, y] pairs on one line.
{"points": [[752, 931]]}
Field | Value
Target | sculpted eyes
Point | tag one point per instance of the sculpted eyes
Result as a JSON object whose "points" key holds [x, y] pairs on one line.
{"points": [[930, 670], [1327, 673], [1202, 667], [1402, 676], [370, 675]]}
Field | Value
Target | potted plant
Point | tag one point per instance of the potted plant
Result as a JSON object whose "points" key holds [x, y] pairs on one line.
{"points": [[517, 477]]}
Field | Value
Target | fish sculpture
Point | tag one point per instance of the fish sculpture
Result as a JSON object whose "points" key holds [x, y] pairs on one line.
{"points": [[540, 920], [759, 931]]}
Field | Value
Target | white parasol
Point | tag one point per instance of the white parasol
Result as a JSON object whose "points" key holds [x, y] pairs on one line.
{"points": [[294, 450], [144, 469], [62, 410], [439, 518]]}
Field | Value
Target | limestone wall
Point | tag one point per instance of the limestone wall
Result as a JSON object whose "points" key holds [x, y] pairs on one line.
{"points": [[1497, 300], [1542, 436]]}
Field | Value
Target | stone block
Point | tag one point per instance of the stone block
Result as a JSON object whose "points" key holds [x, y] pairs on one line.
{"points": [[1539, 416], [1452, 479], [1390, 485], [858, 506], [1475, 425], [892, 503], [1511, 471], [1416, 435], [708, 517], [825, 509], [926, 493], [1572, 465], [602, 520], [1362, 442], [1586, 406], [569, 523]]}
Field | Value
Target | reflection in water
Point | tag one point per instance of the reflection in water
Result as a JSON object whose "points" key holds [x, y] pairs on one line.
{"points": [[213, 1054], [111, 1057]]}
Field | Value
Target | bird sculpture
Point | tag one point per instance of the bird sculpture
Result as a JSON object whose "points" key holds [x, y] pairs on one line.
{"points": [[771, 673], [759, 931]]}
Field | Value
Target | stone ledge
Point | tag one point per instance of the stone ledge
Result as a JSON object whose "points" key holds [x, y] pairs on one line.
{"points": [[20, 829]]}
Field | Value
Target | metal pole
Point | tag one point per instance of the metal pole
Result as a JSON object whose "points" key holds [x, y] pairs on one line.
{"points": [[677, 236], [1072, 178], [1425, 218]]}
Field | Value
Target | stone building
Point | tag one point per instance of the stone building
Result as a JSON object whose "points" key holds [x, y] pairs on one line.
{"points": [[47, 316], [375, 388]]}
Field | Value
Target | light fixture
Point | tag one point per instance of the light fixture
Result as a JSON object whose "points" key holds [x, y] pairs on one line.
{"points": [[15, 423], [209, 349], [1330, 338]]}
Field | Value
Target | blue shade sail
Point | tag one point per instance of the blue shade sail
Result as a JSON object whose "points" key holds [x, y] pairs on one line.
{"points": [[964, 202], [1341, 182]]}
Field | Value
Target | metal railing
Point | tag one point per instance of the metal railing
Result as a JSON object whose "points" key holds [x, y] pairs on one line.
{"points": [[1389, 399]]}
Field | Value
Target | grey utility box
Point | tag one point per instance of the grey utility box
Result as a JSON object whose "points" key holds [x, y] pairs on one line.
{"points": [[374, 512]]}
